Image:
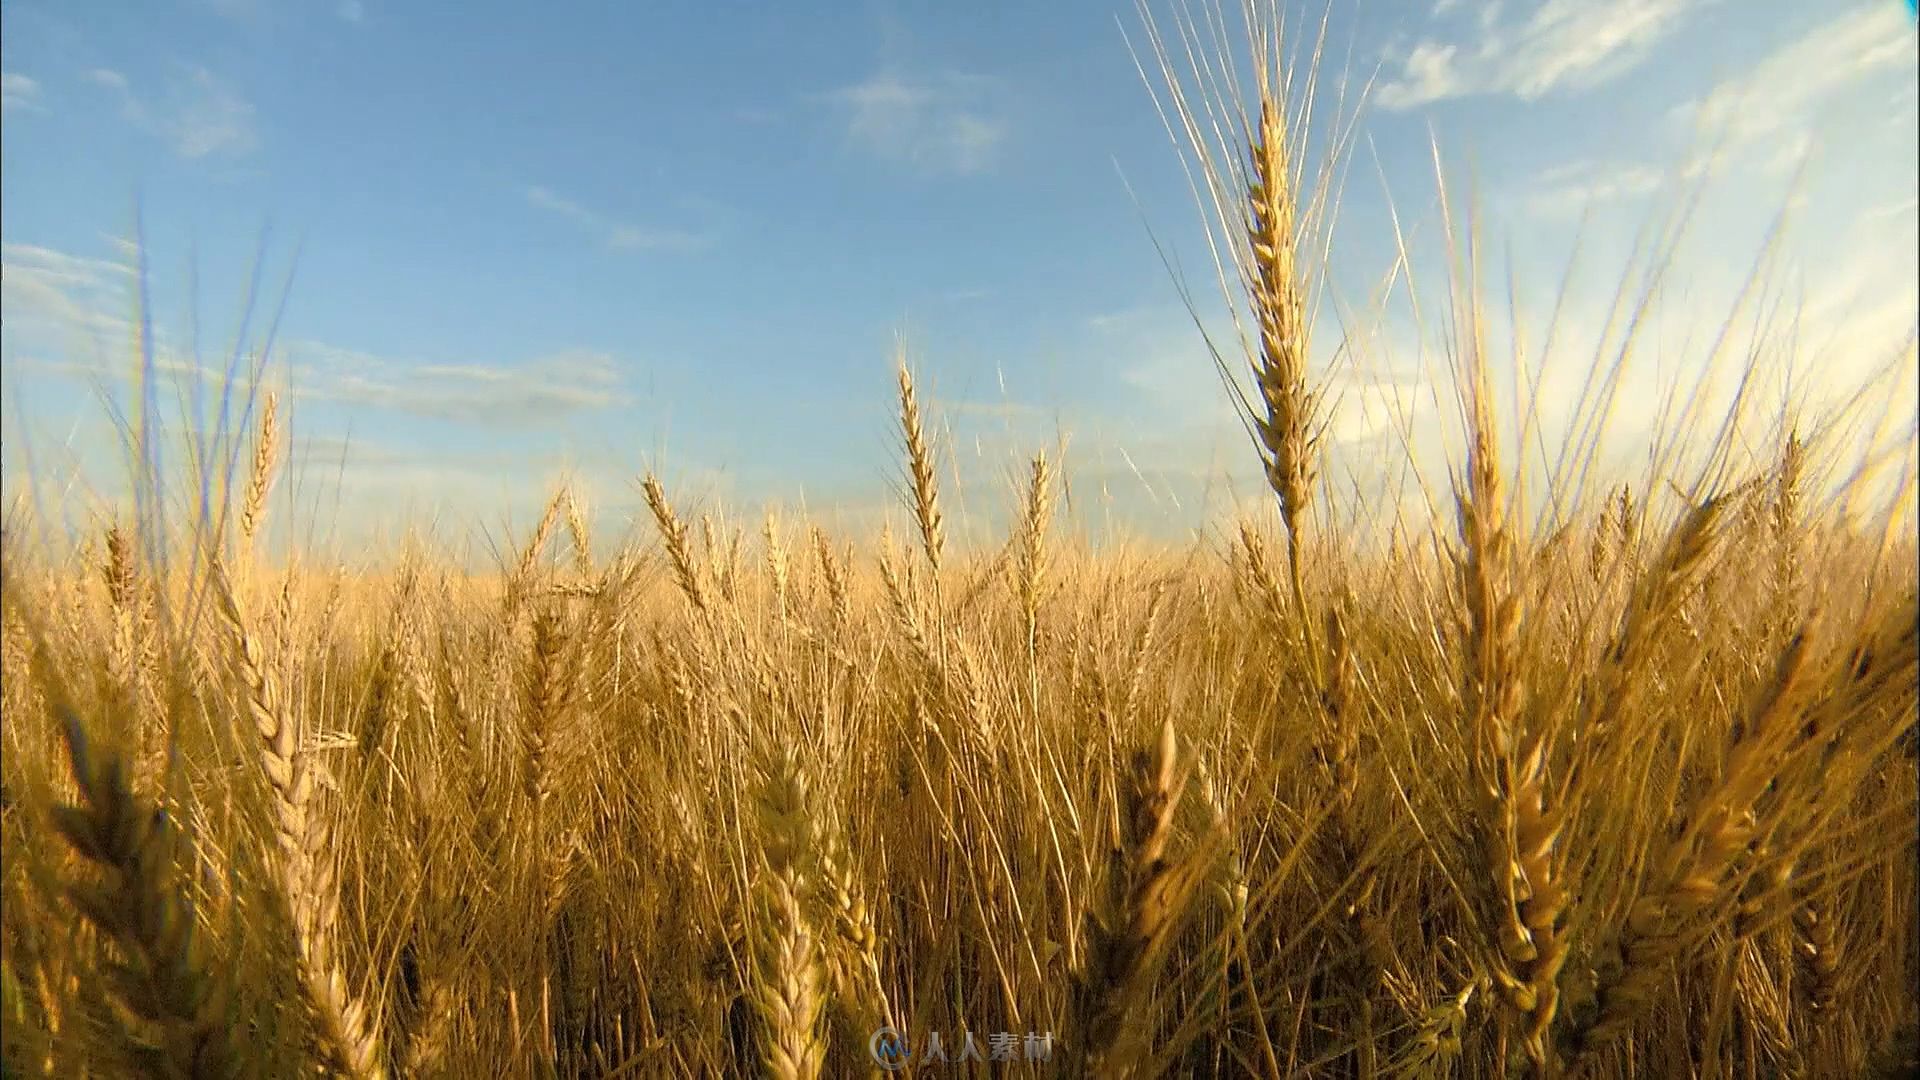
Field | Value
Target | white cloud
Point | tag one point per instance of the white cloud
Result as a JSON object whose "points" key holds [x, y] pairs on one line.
{"points": [[18, 91], [942, 123], [616, 235], [1558, 45], [199, 114], [352, 11]]}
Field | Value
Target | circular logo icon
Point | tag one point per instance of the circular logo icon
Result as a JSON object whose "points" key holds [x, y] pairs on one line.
{"points": [[888, 1048]]}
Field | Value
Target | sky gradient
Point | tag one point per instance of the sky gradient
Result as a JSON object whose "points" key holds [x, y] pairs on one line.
{"points": [[516, 245]]}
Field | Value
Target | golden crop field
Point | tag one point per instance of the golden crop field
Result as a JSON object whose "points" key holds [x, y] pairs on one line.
{"points": [[1624, 787]]}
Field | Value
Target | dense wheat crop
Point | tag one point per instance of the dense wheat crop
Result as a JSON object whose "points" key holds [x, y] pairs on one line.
{"points": [[1625, 788]]}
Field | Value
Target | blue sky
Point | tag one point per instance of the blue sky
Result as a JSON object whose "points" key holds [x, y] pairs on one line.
{"points": [[528, 241]]}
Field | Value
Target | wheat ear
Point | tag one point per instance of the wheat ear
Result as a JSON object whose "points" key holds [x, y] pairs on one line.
{"points": [[834, 577], [130, 660], [673, 533], [1519, 828], [343, 1025], [253, 505], [1692, 872], [1147, 894], [580, 534], [920, 471], [1279, 307], [164, 977], [520, 576], [1030, 556], [789, 992]]}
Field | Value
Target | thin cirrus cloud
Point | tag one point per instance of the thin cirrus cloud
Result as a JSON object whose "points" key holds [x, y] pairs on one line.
{"points": [[1553, 46], [948, 122], [197, 113], [612, 234]]}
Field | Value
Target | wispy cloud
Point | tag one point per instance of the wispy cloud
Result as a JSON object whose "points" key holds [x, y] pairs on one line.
{"points": [[71, 314], [1898, 208], [198, 113], [1552, 46], [1779, 98], [1772, 111], [537, 392], [257, 12], [1569, 189], [993, 410], [18, 91], [242, 10], [946, 122], [1370, 406], [52, 294], [1157, 355], [616, 235]]}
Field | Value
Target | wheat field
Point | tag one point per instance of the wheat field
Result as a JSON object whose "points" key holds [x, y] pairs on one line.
{"points": [[1622, 789]]}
